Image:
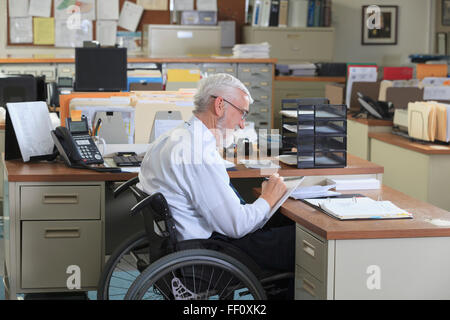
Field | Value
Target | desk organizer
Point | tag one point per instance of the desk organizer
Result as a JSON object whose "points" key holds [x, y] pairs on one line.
{"points": [[315, 131]]}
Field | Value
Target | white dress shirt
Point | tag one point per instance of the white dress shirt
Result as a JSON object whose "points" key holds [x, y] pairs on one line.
{"points": [[184, 165]]}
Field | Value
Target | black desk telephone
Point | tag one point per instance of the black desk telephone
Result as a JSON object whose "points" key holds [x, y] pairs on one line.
{"points": [[76, 146]]}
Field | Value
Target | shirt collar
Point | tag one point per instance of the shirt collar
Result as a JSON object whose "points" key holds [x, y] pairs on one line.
{"points": [[196, 123]]}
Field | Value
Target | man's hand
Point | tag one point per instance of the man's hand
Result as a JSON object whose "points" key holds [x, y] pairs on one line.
{"points": [[273, 189]]}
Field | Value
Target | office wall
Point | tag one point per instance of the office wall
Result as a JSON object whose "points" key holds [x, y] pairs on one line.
{"points": [[415, 26]]}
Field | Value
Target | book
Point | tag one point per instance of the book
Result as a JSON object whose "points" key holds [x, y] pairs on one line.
{"points": [[317, 9], [274, 13], [311, 5], [265, 13], [327, 13], [298, 13], [359, 207], [256, 13], [283, 13]]}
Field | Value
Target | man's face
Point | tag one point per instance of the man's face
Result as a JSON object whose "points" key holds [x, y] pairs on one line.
{"points": [[234, 106]]}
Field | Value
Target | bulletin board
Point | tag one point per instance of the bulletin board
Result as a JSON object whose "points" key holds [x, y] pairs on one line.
{"points": [[227, 10]]}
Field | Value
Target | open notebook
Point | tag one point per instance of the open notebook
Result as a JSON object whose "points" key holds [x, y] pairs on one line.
{"points": [[359, 208]]}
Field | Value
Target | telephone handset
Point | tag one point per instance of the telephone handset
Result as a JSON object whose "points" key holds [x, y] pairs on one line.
{"points": [[77, 147]]}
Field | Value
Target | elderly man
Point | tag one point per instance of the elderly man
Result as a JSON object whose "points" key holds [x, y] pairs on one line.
{"points": [[185, 166]]}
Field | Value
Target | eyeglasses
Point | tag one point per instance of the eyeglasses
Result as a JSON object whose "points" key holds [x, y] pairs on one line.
{"points": [[244, 112]]}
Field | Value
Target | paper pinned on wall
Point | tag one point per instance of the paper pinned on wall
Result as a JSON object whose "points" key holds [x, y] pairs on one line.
{"points": [[64, 9], [40, 8], [130, 15], [107, 9], [106, 32], [18, 8], [207, 5], [43, 31], [153, 4], [21, 30], [130, 40], [180, 5], [71, 38]]}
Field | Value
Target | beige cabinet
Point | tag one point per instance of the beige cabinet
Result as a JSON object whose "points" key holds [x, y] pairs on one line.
{"points": [[290, 45], [52, 229]]}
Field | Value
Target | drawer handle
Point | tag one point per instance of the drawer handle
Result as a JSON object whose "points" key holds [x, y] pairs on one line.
{"points": [[60, 198], [293, 36], [62, 233], [309, 248], [309, 287]]}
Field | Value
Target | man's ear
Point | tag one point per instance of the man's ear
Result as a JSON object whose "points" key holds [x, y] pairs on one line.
{"points": [[219, 107]]}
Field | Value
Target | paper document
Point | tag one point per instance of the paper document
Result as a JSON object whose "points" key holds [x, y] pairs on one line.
{"points": [[84, 9], [21, 30], [130, 15], [106, 32], [291, 185], [43, 31], [32, 126], [359, 208], [163, 126], [181, 5], [359, 73], [207, 5], [18, 8], [259, 164], [107, 9], [314, 192], [40, 8], [153, 4], [294, 114], [355, 184]]}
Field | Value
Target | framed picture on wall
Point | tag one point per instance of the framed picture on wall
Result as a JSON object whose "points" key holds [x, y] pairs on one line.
{"points": [[445, 12], [379, 25]]}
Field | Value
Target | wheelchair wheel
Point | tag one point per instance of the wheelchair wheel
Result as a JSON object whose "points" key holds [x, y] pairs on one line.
{"points": [[198, 274], [123, 267]]}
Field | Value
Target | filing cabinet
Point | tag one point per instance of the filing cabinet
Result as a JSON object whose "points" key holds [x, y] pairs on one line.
{"points": [[49, 227], [291, 45], [257, 77], [310, 266], [212, 68], [66, 70]]}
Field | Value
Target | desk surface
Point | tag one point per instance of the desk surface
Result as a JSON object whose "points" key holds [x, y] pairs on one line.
{"points": [[46, 171], [330, 228], [409, 144]]}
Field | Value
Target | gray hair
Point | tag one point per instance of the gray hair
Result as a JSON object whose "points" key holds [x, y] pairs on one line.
{"points": [[219, 84]]}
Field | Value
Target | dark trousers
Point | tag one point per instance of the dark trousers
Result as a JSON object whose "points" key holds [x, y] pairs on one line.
{"points": [[272, 247]]}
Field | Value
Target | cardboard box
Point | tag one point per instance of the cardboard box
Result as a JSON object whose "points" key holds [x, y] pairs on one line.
{"points": [[335, 93], [401, 96]]}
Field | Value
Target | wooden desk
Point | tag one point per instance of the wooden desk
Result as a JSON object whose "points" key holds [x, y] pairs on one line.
{"points": [[358, 142], [344, 259], [41, 197], [420, 170]]}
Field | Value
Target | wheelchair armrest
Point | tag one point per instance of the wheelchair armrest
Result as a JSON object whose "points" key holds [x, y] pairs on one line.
{"points": [[124, 186], [140, 205]]}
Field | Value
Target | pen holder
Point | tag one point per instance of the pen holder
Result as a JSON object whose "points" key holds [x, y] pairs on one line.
{"points": [[101, 144]]}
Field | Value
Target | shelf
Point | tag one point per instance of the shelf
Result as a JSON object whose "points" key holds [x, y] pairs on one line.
{"points": [[310, 79]]}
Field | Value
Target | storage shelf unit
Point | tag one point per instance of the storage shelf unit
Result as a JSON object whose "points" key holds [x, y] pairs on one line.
{"points": [[316, 133]]}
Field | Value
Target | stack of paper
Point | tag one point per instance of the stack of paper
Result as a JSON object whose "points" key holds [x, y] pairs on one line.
{"points": [[260, 50], [356, 184], [359, 208], [303, 69], [259, 164], [314, 192]]}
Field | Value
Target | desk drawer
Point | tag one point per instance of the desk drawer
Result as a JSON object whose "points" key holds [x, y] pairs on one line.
{"points": [[49, 247], [310, 254], [60, 202], [308, 287]]}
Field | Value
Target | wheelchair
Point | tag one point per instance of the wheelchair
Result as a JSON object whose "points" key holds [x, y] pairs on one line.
{"points": [[153, 265]]}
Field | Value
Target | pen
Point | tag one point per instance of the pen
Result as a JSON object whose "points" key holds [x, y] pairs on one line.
{"points": [[286, 178], [97, 126]]}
